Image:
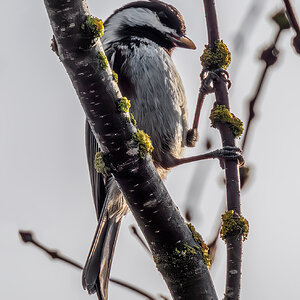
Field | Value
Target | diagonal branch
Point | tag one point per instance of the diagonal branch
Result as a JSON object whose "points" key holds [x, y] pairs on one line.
{"points": [[294, 23], [269, 56], [28, 237], [134, 231], [292, 16], [233, 242], [167, 234]]}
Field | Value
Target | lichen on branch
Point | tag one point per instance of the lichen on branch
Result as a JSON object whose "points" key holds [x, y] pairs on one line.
{"points": [[215, 57], [144, 142], [221, 114], [124, 105], [204, 248], [103, 60], [94, 25], [233, 223], [100, 165]]}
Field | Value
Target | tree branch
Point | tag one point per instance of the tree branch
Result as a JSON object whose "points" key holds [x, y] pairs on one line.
{"points": [[233, 242], [167, 234]]}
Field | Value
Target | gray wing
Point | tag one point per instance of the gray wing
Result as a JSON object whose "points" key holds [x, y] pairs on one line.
{"points": [[97, 180]]}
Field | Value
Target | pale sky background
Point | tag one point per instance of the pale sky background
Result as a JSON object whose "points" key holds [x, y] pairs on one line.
{"points": [[45, 184]]}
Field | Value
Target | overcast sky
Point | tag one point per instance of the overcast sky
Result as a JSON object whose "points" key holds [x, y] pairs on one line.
{"points": [[45, 184]]}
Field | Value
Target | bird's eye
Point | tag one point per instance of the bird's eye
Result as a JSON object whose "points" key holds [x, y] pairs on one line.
{"points": [[162, 16]]}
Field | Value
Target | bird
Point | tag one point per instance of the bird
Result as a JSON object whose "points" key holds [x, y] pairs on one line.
{"points": [[138, 41]]}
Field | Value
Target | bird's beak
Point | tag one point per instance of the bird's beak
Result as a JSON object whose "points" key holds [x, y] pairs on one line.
{"points": [[182, 42]]}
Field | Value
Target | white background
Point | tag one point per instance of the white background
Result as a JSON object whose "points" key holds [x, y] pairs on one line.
{"points": [[44, 178]]}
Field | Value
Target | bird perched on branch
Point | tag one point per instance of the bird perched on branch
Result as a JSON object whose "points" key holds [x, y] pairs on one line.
{"points": [[138, 41]]}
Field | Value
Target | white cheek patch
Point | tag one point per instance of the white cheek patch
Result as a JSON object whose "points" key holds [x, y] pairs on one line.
{"points": [[132, 17]]}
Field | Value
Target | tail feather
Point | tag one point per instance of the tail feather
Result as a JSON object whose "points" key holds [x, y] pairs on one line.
{"points": [[96, 271], [97, 268], [107, 255]]}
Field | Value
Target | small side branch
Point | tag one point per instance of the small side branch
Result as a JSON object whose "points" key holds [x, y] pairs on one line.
{"points": [[139, 238], [292, 16], [294, 23], [269, 56], [29, 237]]}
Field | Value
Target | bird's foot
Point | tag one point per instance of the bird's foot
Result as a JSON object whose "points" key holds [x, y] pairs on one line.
{"points": [[209, 78], [229, 153], [192, 137], [226, 153]]}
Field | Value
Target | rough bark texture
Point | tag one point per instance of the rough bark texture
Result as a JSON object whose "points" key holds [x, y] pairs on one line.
{"points": [[169, 238]]}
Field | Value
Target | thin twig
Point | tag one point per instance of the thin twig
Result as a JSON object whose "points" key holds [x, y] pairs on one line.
{"points": [[29, 237], [292, 16], [233, 242], [163, 297], [133, 288], [240, 40], [270, 58], [294, 24], [201, 96], [135, 232]]}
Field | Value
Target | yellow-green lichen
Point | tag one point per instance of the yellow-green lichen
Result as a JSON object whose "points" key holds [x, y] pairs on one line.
{"points": [[132, 120], [115, 76], [144, 142], [233, 223], [186, 250], [216, 56], [99, 164], [220, 114], [204, 248], [94, 25], [281, 20], [180, 260], [124, 105], [103, 60]]}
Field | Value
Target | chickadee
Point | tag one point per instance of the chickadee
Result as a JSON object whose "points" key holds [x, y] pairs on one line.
{"points": [[138, 41]]}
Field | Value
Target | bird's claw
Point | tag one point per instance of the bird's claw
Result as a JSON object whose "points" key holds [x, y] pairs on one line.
{"points": [[230, 153], [192, 137], [208, 79]]}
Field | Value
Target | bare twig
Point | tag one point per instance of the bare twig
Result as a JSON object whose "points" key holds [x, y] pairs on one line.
{"points": [[269, 56], [292, 16], [294, 24], [163, 297], [133, 288], [140, 239], [29, 237]]}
